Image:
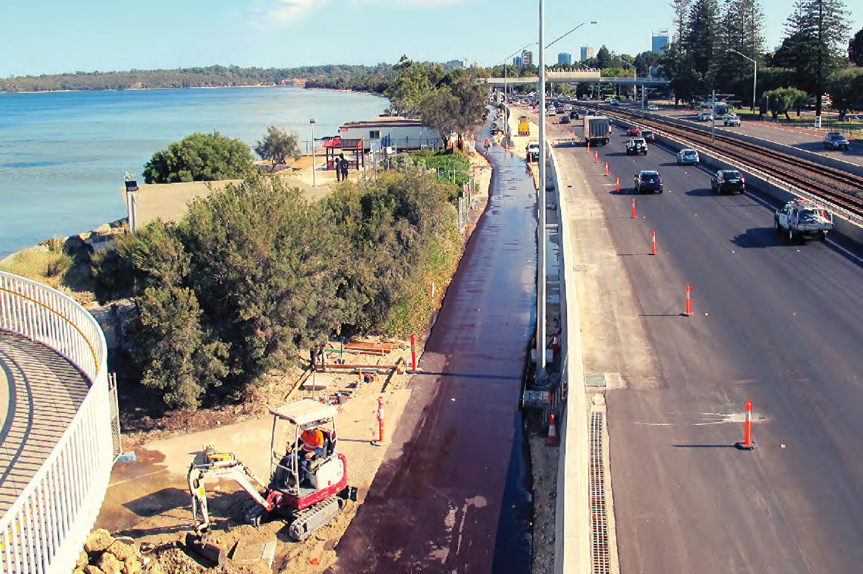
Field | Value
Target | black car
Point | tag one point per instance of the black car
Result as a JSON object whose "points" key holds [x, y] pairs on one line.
{"points": [[727, 181], [835, 140], [647, 180], [564, 119], [648, 135], [573, 115]]}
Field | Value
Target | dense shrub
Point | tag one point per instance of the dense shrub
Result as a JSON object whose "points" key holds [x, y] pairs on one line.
{"points": [[200, 157], [255, 275]]}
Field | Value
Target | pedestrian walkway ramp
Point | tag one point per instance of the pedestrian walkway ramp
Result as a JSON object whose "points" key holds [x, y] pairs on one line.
{"points": [[59, 435]]}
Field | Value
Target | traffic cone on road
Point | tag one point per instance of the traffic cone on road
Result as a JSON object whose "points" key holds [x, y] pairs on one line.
{"points": [[551, 440]]}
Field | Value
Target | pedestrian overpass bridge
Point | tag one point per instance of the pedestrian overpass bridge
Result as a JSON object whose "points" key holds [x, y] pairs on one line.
{"points": [[57, 425], [587, 76]]}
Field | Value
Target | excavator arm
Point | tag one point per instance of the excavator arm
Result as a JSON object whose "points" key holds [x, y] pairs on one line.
{"points": [[220, 465]]}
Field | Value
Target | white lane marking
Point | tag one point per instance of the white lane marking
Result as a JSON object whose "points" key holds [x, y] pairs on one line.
{"points": [[721, 418]]}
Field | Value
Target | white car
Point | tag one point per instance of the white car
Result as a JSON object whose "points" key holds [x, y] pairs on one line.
{"points": [[567, 108], [704, 116], [532, 150], [732, 120], [652, 108]]}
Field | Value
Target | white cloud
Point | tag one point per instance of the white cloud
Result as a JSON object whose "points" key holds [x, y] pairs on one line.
{"points": [[284, 12], [424, 3], [280, 12]]}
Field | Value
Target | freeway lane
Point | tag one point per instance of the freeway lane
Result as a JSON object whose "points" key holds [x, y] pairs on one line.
{"points": [[777, 324]]}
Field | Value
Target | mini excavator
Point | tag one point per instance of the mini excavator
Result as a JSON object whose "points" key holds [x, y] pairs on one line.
{"points": [[309, 498]]}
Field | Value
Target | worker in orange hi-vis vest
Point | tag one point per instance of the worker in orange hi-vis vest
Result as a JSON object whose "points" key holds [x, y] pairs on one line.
{"points": [[312, 446], [313, 442]]}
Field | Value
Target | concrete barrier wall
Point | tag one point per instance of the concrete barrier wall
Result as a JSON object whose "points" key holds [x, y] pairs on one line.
{"points": [[572, 512]]}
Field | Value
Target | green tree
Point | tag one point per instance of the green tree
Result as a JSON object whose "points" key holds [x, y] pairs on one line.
{"points": [[439, 111], [781, 100], [701, 42], [177, 354], [815, 45], [277, 145], [846, 90], [410, 83], [387, 227], [677, 67], [644, 61], [604, 58], [457, 105], [263, 266], [855, 48], [200, 157], [742, 31]]}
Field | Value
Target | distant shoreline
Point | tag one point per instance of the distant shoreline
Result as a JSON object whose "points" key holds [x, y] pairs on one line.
{"points": [[154, 89]]}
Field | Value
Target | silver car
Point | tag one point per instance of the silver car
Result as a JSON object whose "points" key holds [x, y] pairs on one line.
{"points": [[687, 157]]}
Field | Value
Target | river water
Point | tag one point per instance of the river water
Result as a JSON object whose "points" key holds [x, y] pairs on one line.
{"points": [[63, 155]]}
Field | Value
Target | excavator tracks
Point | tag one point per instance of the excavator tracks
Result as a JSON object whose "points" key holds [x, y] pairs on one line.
{"points": [[309, 519]]}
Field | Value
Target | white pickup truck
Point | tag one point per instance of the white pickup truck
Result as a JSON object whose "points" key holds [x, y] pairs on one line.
{"points": [[532, 151], [800, 219]]}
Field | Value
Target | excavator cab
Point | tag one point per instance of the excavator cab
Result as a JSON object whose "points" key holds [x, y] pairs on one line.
{"points": [[291, 473]]}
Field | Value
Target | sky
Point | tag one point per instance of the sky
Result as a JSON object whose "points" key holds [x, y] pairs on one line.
{"points": [[57, 36]]}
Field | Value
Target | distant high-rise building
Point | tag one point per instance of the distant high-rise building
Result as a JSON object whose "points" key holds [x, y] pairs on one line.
{"points": [[527, 57], [564, 58], [517, 62], [587, 52], [465, 63], [660, 40]]}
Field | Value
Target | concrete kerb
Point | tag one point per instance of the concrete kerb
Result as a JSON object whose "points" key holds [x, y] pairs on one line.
{"points": [[572, 512], [843, 223]]}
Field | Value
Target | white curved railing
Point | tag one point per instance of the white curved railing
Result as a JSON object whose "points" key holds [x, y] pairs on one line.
{"points": [[45, 529]]}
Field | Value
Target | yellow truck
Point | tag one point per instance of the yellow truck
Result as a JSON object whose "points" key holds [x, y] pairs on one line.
{"points": [[523, 126]]}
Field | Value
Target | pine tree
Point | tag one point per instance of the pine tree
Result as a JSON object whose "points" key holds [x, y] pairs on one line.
{"points": [[701, 40], [741, 31], [816, 43]]}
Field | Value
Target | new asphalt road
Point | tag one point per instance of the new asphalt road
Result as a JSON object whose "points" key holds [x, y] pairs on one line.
{"points": [[775, 323]]}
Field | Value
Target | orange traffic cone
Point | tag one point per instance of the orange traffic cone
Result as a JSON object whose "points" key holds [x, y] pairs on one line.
{"points": [[551, 440]]}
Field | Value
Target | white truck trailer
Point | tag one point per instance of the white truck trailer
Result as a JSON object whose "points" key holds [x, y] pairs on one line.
{"points": [[597, 129]]}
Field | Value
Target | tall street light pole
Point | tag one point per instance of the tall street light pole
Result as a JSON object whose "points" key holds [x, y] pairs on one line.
{"points": [[754, 74], [540, 234], [314, 174]]}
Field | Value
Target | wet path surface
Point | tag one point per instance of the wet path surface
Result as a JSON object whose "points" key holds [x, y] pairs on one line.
{"points": [[436, 503]]}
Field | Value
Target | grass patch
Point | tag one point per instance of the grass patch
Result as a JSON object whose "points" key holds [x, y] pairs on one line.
{"points": [[49, 265]]}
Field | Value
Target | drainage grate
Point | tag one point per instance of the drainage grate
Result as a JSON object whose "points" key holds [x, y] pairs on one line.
{"points": [[598, 518]]}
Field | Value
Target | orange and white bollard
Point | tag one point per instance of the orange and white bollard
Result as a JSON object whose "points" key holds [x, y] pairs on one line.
{"points": [[588, 146], [653, 242], [380, 439], [596, 157], [551, 439], [606, 168], [413, 354], [747, 443], [688, 300], [633, 208], [617, 183]]}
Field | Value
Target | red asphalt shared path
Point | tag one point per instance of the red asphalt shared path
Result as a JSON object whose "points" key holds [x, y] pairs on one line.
{"points": [[436, 501]]}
